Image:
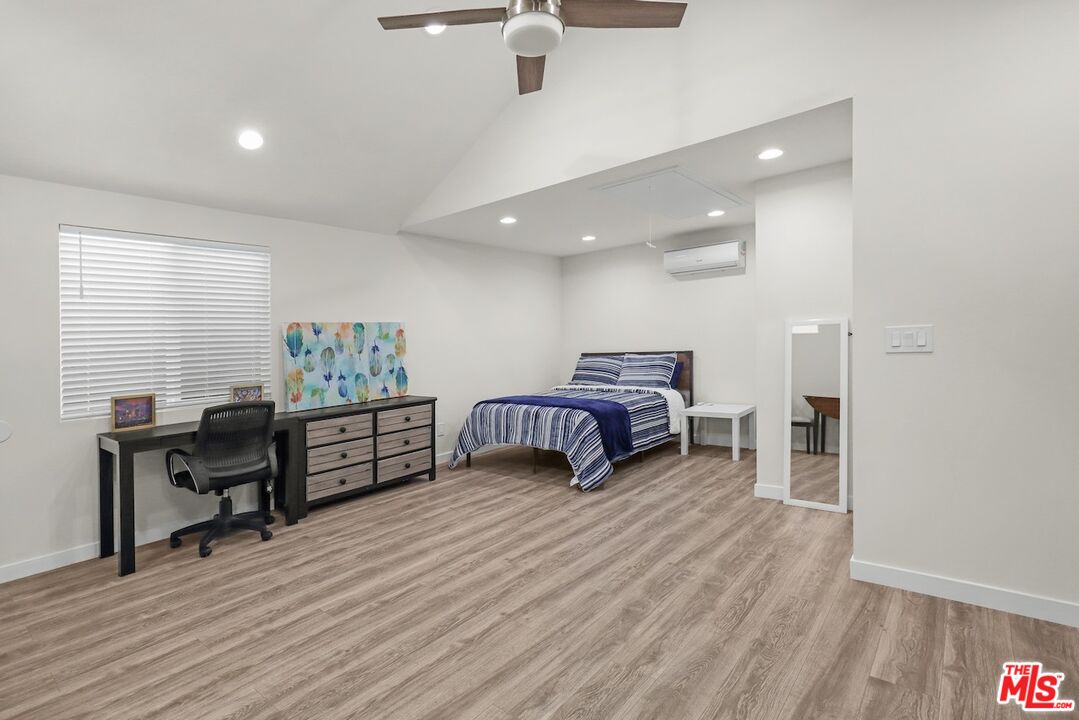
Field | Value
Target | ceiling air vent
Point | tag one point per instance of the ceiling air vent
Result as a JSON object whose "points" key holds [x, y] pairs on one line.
{"points": [[672, 193]]}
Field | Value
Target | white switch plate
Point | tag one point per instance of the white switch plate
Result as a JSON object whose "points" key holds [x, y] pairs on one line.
{"points": [[908, 339], [440, 430]]}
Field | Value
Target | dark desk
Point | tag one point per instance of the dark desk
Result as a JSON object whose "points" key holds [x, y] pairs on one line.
{"points": [[116, 452]]}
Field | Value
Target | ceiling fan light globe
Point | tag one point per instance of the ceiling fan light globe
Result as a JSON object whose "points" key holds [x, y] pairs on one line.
{"points": [[532, 34]]}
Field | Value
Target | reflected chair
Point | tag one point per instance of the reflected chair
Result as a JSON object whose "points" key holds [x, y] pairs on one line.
{"points": [[233, 446], [811, 433]]}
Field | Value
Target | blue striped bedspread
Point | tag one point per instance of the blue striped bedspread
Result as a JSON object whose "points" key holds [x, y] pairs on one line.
{"points": [[568, 430]]}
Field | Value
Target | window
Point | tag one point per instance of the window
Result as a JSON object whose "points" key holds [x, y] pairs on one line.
{"points": [[185, 319]]}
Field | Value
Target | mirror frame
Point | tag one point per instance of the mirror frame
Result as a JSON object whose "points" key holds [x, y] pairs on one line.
{"points": [[844, 382]]}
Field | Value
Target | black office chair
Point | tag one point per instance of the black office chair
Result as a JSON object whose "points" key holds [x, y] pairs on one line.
{"points": [[233, 446]]}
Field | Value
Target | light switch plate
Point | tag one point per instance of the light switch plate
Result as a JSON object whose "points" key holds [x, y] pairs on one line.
{"points": [[908, 339], [440, 430]]}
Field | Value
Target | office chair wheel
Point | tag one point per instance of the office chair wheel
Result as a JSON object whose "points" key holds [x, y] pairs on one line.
{"points": [[205, 551], [265, 535], [268, 519], [175, 542]]}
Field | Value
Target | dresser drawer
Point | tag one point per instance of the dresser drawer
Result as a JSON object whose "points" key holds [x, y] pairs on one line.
{"points": [[404, 465], [396, 420], [350, 427], [338, 455], [338, 481], [404, 441]]}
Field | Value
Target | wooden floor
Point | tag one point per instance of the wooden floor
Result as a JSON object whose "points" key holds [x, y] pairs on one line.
{"points": [[495, 594], [815, 477]]}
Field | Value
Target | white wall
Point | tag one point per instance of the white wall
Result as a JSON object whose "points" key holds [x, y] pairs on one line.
{"points": [[451, 296], [804, 251], [621, 299]]}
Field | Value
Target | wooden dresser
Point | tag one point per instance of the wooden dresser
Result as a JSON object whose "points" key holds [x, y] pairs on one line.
{"points": [[354, 448]]}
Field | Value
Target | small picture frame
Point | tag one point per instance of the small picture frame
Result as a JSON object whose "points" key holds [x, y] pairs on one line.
{"points": [[246, 393], [134, 412]]}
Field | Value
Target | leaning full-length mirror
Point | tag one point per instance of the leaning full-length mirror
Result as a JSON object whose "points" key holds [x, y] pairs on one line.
{"points": [[816, 394]]}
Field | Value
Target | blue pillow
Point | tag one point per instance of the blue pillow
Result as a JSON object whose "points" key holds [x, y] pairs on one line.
{"points": [[677, 374], [597, 370], [648, 370]]}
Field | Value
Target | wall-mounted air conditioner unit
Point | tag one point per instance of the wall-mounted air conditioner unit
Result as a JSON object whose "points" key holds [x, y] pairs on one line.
{"points": [[707, 258]]}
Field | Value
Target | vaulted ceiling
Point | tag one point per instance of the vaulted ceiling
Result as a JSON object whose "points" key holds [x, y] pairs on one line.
{"points": [[147, 97], [364, 128]]}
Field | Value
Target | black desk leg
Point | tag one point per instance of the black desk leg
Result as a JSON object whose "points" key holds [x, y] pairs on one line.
{"points": [[295, 472], [127, 512], [105, 478], [823, 432], [264, 498], [816, 432]]}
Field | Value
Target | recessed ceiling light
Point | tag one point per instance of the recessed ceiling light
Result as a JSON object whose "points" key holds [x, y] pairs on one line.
{"points": [[588, 238], [717, 213], [508, 220], [435, 28], [770, 154], [250, 139]]}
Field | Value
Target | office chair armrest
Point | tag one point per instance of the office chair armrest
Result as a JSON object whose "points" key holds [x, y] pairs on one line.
{"points": [[192, 464], [273, 459]]}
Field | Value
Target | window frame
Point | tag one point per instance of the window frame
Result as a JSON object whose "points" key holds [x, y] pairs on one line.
{"points": [[225, 286]]}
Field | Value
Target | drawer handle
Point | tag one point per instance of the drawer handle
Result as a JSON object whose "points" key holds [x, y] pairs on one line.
{"points": [[408, 465], [342, 481], [408, 442], [408, 418], [344, 455], [342, 429]]}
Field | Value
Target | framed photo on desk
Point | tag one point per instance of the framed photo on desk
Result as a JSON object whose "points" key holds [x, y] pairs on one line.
{"points": [[246, 393], [134, 412]]}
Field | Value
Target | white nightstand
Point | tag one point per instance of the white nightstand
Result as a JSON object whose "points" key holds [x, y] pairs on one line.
{"points": [[727, 411]]}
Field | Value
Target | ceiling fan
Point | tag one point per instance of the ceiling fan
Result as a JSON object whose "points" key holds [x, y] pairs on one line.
{"points": [[533, 28]]}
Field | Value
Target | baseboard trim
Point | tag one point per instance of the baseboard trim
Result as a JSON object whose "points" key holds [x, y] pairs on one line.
{"points": [[988, 596], [52, 561], [44, 563], [770, 492]]}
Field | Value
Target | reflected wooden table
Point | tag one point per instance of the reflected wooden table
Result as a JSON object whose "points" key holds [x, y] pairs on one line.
{"points": [[823, 407]]}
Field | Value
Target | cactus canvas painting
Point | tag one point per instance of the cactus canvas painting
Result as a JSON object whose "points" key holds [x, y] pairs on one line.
{"points": [[339, 363]]}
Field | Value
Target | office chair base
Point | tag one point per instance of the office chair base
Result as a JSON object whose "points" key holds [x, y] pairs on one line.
{"points": [[222, 524]]}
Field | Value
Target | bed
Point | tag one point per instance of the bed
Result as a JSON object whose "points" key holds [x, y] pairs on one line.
{"points": [[595, 422]]}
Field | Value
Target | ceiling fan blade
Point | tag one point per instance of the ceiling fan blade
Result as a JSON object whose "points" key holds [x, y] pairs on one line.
{"points": [[622, 13], [450, 17], [530, 73]]}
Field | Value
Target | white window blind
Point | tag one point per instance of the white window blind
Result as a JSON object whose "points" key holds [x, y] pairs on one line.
{"points": [[185, 319]]}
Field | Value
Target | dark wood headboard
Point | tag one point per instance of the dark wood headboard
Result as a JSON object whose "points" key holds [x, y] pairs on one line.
{"points": [[685, 380]]}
